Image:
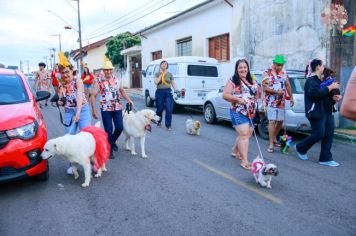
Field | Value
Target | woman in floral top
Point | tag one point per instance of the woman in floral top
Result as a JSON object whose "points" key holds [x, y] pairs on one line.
{"points": [[42, 80], [241, 91]]}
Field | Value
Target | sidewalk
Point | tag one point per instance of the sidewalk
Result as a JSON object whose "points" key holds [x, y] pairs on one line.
{"points": [[345, 135], [135, 92]]}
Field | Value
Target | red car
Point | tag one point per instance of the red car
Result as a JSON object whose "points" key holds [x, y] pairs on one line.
{"points": [[23, 132]]}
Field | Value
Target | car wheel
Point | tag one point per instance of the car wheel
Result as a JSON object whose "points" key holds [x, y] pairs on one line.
{"points": [[149, 101], [44, 175], [209, 114], [263, 128]]}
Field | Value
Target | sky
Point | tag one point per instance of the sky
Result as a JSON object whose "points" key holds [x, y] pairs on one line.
{"points": [[26, 26]]}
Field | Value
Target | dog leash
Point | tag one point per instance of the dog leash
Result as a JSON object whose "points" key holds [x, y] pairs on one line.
{"points": [[258, 143]]}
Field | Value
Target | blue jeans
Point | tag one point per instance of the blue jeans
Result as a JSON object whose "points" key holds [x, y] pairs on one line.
{"points": [[84, 120], [322, 129], [164, 100], [110, 117]]}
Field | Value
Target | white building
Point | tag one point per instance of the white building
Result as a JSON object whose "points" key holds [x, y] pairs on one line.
{"points": [[231, 29]]}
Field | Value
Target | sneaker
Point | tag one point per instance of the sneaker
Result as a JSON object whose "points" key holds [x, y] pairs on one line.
{"points": [[169, 128], [303, 157], [329, 163], [159, 124], [112, 156], [70, 171], [114, 147]]}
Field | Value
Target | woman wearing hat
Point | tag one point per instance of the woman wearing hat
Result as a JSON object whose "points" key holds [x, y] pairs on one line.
{"points": [[275, 84], [110, 88], [71, 90]]}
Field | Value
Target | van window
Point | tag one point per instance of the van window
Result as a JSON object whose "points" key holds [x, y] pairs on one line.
{"points": [[149, 71], [205, 71], [172, 68]]}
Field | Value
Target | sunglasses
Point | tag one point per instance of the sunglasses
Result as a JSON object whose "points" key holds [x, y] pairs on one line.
{"points": [[65, 72]]}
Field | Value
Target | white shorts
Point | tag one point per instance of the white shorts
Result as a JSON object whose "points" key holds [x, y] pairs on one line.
{"points": [[276, 114]]}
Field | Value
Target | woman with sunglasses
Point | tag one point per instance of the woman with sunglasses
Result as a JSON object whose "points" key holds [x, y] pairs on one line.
{"points": [[72, 97]]}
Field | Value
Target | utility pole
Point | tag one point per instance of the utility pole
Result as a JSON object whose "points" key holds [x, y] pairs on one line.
{"points": [[60, 42], [80, 40], [28, 66]]}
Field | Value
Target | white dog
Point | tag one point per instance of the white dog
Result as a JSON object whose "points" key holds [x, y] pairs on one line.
{"points": [[193, 126], [263, 172], [135, 126], [81, 149]]}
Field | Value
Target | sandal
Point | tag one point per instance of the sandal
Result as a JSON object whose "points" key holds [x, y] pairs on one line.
{"points": [[277, 144], [246, 166], [233, 155], [270, 150]]}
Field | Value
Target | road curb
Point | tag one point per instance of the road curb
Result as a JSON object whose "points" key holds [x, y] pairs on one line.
{"points": [[135, 95], [345, 137]]}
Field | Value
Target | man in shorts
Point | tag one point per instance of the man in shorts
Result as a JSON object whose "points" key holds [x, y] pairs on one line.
{"points": [[276, 85]]}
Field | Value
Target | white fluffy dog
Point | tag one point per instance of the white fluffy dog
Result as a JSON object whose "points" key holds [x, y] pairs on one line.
{"points": [[80, 149], [135, 126], [263, 172], [193, 126]]}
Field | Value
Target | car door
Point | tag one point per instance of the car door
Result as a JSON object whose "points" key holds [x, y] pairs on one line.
{"points": [[222, 106]]}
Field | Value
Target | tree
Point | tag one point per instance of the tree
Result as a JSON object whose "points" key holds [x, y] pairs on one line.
{"points": [[119, 43]]}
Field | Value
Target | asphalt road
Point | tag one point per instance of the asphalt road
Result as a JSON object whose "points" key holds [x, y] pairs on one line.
{"points": [[189, 185]]}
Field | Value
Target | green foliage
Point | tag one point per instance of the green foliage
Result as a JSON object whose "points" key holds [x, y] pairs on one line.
{"points": [[119, 43], [66, 53]]}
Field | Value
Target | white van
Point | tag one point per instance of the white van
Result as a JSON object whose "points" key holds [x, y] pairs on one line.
{"points": [[195, 77]]}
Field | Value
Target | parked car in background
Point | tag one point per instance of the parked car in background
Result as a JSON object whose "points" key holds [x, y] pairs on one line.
{"points": [[23, 132], [216, 108], [30, 76], [195, 78]]}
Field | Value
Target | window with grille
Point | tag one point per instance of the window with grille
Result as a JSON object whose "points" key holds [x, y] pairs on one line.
{"points": [[156, 55], [219, 47], [184, 47]]}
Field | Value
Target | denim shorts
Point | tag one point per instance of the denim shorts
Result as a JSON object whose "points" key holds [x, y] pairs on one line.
{"points": [[238, 119], [84, 120], [87, 86]]}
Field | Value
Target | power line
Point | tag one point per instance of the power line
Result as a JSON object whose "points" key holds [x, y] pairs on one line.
{"points": [[132, 20], [118, 20]]}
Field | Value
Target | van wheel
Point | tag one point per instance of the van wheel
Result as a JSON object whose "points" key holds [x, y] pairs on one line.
{"points": [[148, 100], [176, 108], [263, 128], [44, 175], [209, 114]]}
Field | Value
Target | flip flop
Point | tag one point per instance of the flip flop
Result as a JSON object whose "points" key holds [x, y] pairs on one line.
{"points": [[233, 155], [277, 144], [270, 150]]}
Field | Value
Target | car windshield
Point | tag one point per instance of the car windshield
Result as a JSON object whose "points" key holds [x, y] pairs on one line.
{"points": [[297, 84], [12, 90]]}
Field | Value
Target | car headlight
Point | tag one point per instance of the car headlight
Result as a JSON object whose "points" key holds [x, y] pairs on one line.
{"points": [[24, 132]]}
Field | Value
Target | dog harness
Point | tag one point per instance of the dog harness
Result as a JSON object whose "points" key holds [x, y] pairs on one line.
{"points": [[256, 167]]}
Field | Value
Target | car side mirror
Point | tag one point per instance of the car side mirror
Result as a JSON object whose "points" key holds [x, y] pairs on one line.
{"points": [[144, 73], [42, 95]]}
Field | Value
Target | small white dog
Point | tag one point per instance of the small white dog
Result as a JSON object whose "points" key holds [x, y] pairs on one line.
{"points": [[135, 126], [193, 126], [81, 149], [263, 172]]}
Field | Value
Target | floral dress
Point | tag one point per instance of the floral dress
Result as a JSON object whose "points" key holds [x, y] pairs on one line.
{"points": [[110, 94], [249, 94]]}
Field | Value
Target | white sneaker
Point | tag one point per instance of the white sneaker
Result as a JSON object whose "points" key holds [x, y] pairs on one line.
{"points": [[70, 171]]}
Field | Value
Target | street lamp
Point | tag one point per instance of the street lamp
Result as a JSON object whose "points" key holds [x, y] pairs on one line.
{"points": [[60, 43]]}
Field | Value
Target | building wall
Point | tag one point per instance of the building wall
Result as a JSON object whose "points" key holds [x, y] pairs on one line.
{"points": [[208, 22], [288, 27], [258, 29], [95, 57]]}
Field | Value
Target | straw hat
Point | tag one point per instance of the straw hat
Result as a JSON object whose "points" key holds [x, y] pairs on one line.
{"points": [[107, 64]]}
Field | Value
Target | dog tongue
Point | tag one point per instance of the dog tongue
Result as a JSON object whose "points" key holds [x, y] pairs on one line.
{"points": [[148, 127]]}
